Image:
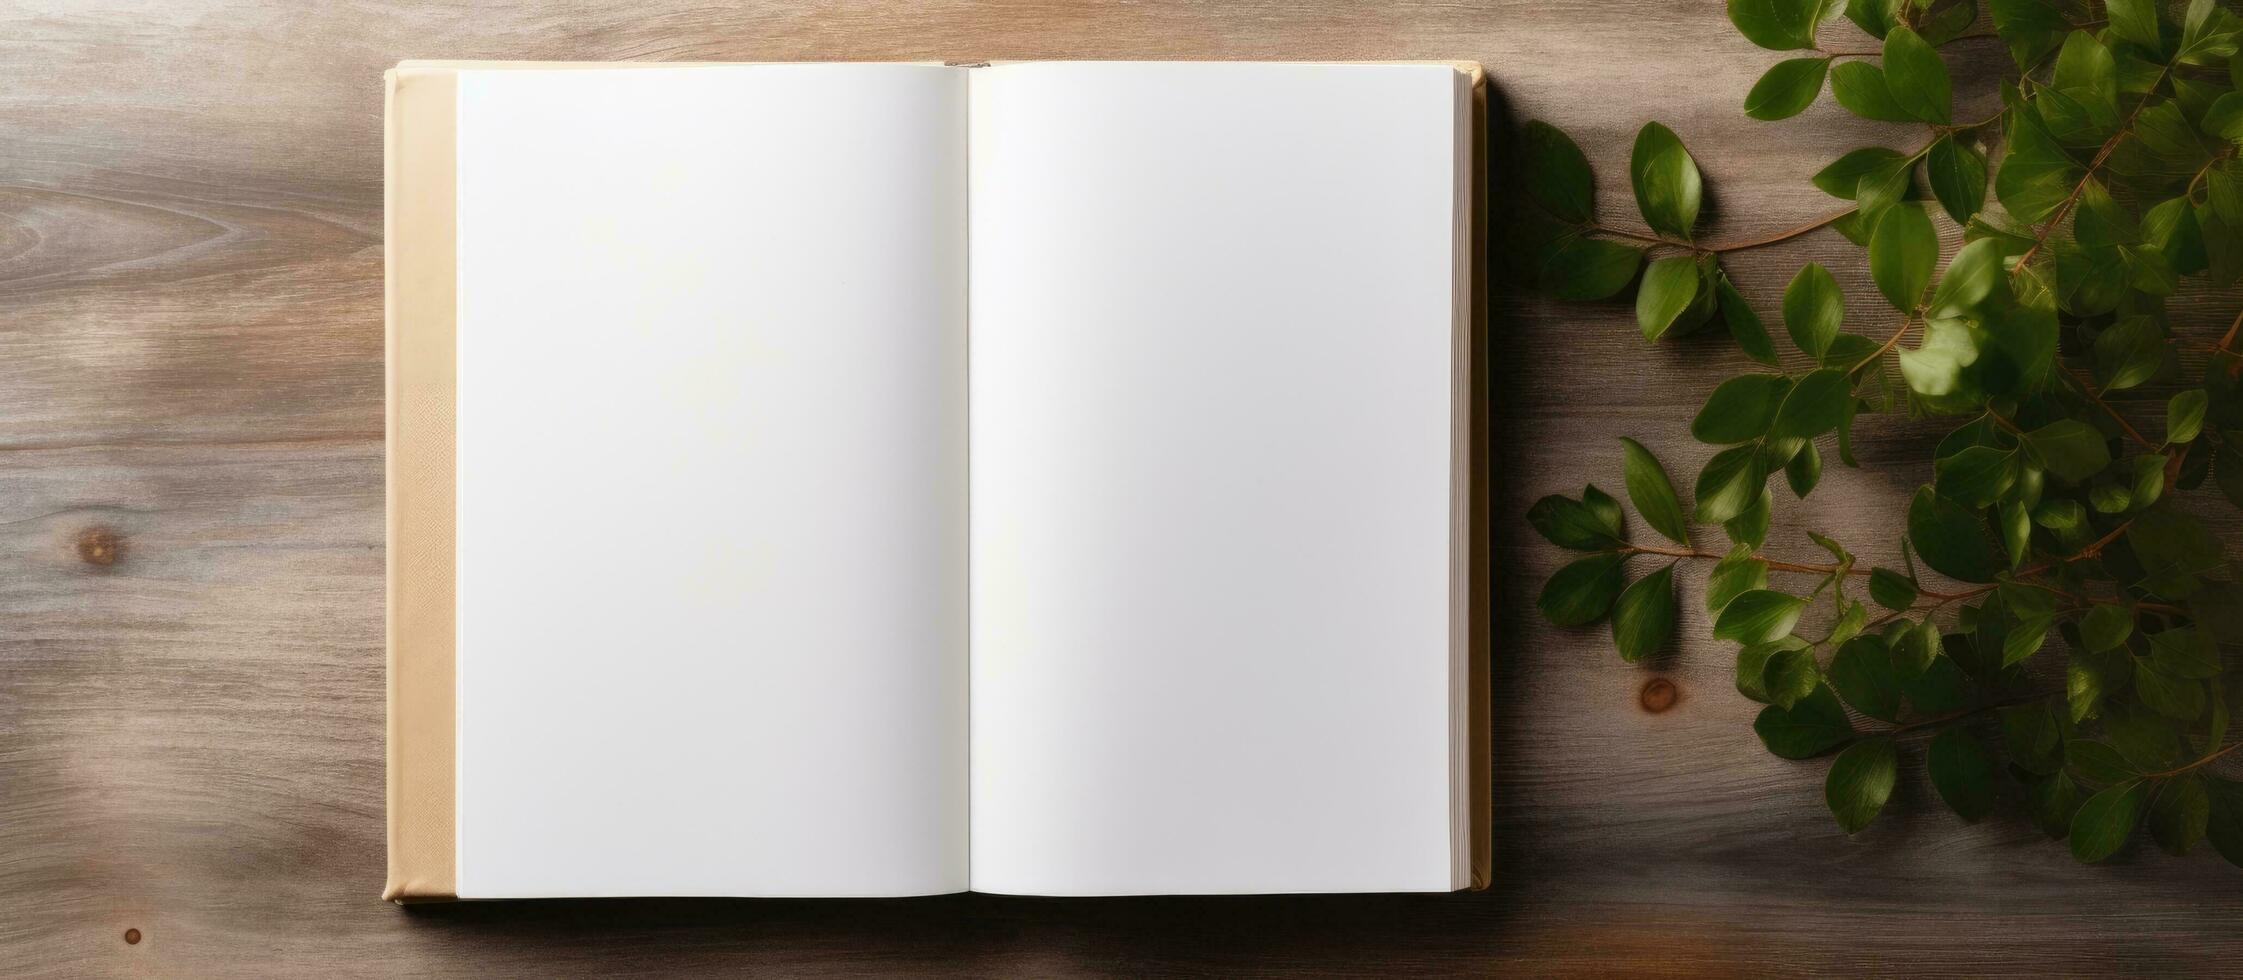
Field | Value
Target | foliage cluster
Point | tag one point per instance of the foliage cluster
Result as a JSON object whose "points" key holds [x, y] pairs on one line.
{"points": [[2052, 524]]}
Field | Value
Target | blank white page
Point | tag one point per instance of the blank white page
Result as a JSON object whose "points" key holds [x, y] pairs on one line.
{"points": [[1215, 319], [711, 465]]}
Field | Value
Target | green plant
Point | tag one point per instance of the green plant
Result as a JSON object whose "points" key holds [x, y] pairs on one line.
{"points": [[2115, 181]]}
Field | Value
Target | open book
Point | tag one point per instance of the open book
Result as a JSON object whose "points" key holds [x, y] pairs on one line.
{"points": [[883, 479]]}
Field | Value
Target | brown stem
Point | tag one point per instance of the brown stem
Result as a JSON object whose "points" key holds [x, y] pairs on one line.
{"points": [[1781, 566], [2087, 387], [2207, 760], [2085, 601], [1872, 54], [1802, 568], [1943, 599], [1785, 235], [1944, 720], [1889, 344], [2096, 548], [2102, 154], [1781, 236], [1639, 236]]}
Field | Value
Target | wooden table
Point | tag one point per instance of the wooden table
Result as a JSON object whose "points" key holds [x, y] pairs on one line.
{"points": [[191, 693]]}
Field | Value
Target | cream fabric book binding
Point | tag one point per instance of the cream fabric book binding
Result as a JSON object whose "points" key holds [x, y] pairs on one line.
{"points": [[893, 479]]}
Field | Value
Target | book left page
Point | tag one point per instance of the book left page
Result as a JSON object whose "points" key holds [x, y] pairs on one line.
{"points": [[711, 481]]}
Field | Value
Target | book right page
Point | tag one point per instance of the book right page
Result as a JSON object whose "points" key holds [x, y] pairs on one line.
{"points": [[1216, 333]]}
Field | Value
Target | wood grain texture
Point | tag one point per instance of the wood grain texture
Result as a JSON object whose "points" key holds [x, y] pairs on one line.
{"points": [[191, 540]]}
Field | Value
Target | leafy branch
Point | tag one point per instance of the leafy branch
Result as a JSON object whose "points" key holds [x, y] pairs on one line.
{"points": [[2120, 178]]}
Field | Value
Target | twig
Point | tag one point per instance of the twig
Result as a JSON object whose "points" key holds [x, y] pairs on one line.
{"points": [[2087, 388], [1890, 342], [2072, 199]]}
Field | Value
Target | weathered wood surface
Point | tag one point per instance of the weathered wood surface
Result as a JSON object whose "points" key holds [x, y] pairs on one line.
{"points": [[191, 540]]}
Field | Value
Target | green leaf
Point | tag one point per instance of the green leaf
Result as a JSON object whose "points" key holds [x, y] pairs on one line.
{"points": [[2098, 763], [1666, 181], [1643, 618], [2051, 800], [2180, 813], [1787, 88], [1744, 324], [1580, 593], [2172, 549], [1862, 88], [2090, 678], [1732, 576], [1963, 773], [2024, 639], [2037, 175], [2224, 117], [1917, 77], [1875, 16], [2135, 21], [1605, 509], [2209, 33], [2174, 697], [1669, 285], [1861, 780], [2080, 104], [2034, 737], [1759, 616], [1843, 177], [1652, 493], [1818, 403], [2106, 820], [1914, 649], [1750, 527], [1891, 589], [1879, 190], [2110, 498], [2149, 479], [1803, 470], [1862, 673], [1813, 725], [2141, 735], [2069, 449], [1557, 174], [1851, 622], [1752, 669], [1791, 674], [2129, 353], [1942, 688], [2184, 416], [1740, 409], [2225, 826], [1581, 269], [1974, 275], [1941, 23], [1903, 251], [1569, 523], [2059, 514], [2105, 627], [1957, 173], [2030, 27], [2017, 532], [1730, 482], [1813, 309], [2185, 652], [1778, 25], [1951, 539], [1977, 476]]}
